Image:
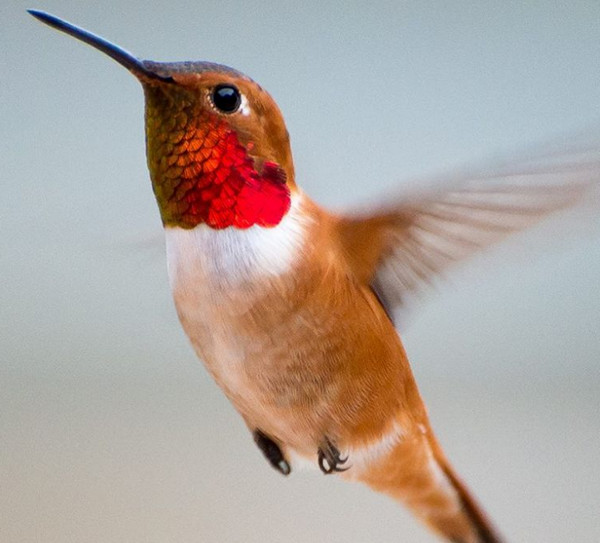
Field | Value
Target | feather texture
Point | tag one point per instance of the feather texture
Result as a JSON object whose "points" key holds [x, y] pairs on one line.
{"points": [[404, 247]]}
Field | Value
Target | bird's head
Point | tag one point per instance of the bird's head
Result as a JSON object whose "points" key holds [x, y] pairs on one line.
{"points": [[217, 146]]}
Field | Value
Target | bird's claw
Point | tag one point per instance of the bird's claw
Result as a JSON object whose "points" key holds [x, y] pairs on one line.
{"points": [[272, 453], [330, 460]]}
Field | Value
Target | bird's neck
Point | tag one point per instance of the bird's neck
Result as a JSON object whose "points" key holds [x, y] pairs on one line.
{"points": [[231, 258], [203, 174]]}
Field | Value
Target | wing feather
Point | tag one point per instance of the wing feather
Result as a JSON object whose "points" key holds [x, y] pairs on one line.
{"points": [[402, 248]]}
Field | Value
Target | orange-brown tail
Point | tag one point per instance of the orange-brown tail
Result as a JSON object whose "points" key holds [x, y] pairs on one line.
{"points": [[416, 472]]}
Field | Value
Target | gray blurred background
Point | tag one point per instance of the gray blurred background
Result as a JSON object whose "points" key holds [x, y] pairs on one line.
{"points": [[110, 429]]}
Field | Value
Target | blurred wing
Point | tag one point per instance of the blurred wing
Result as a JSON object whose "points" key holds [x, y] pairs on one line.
{"points": [[400, 249]]}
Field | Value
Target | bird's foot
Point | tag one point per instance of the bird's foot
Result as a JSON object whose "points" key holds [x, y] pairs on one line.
{"points": [[330, 460], [272, 453]]}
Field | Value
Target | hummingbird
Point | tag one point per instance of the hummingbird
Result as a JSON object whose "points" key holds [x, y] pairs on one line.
{"points": [[295, 310]]}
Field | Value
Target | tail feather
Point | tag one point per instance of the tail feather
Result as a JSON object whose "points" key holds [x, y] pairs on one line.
{"points": [[417, 473], [480, 523]]}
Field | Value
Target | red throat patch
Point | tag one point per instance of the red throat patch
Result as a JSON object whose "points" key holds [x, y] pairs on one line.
{"points": [[205, 175]]}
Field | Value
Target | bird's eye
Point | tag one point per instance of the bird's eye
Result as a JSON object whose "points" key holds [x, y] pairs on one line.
{"points": [[226, 98]]}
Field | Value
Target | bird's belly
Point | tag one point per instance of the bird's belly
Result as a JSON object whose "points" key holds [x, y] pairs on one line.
{"points": [[233, 301], [301, 358], [298, 375], [254, 365]]}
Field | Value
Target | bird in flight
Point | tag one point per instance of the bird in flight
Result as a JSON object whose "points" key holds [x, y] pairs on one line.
{"points": [[293, 309]]}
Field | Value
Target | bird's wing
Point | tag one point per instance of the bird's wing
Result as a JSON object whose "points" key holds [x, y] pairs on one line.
{"points": [[405, 246]]}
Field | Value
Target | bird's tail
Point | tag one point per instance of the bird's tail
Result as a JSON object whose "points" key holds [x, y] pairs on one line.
{"points": [[416, 472]]}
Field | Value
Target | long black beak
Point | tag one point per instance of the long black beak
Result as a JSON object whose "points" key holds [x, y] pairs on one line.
{"points": [[133, 64]]}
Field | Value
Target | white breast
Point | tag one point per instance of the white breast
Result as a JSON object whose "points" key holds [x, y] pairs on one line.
{"points": [[229, 258]]}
